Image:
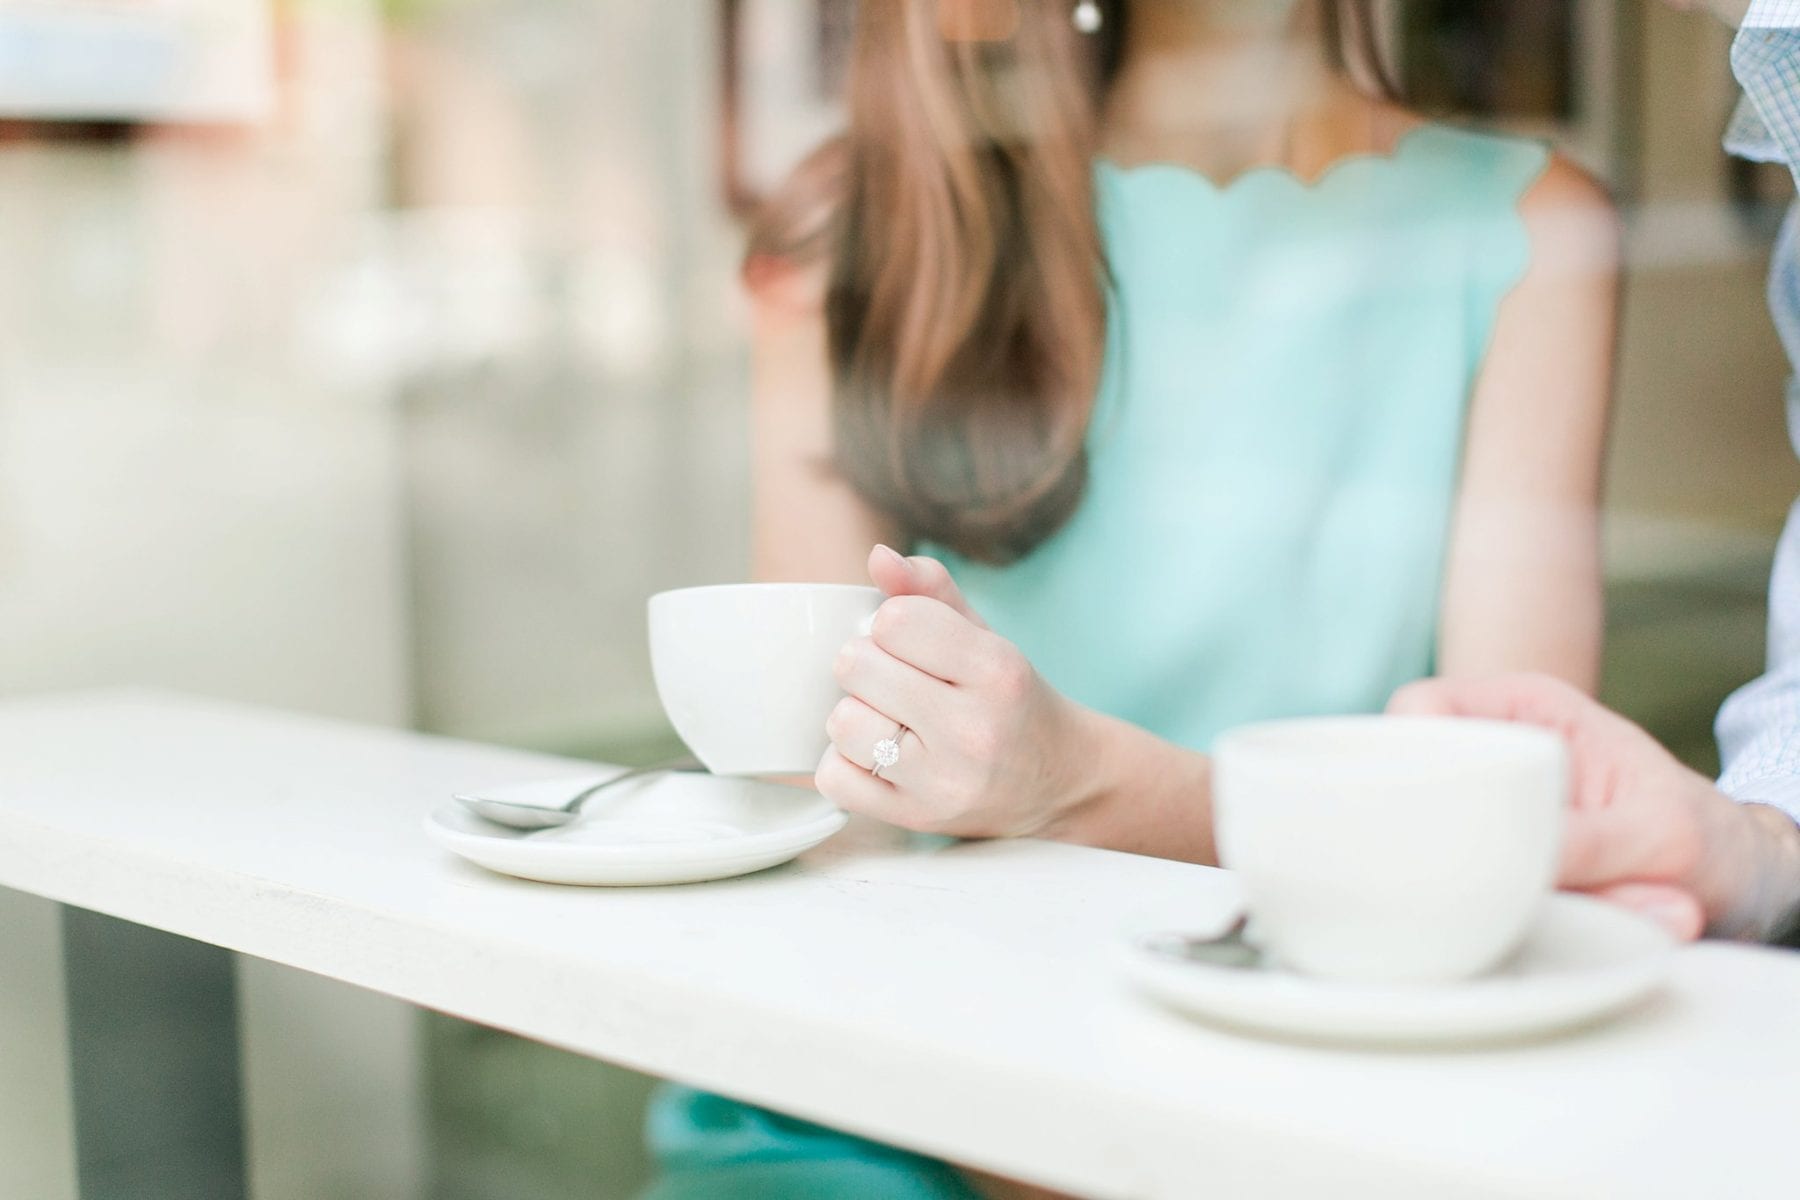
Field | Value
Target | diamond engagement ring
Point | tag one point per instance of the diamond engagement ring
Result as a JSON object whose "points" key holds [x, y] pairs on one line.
{"points": [[887, 752]]}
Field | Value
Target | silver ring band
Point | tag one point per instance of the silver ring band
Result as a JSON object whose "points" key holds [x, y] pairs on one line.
{"points": [[887, 752]]}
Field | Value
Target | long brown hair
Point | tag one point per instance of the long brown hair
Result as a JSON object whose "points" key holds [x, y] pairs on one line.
{"points": [[967, 305]]}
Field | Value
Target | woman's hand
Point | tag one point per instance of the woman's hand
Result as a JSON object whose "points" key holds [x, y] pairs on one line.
{"points": [[986, 747]]}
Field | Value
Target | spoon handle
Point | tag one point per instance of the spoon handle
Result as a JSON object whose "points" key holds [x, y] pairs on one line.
{"points": [[685, 762], [1227, 948]]}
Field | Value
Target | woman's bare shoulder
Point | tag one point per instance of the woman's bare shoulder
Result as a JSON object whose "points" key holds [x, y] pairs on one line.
{"points": [[1563, 188], [783, 289], [1568, 188], [787, 266]]}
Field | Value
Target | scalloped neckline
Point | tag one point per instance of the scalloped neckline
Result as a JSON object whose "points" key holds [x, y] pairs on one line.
{"points": [[1279, 172]]}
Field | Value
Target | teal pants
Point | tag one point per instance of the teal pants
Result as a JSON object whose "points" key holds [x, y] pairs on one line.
{"points": [[711, 1148]]}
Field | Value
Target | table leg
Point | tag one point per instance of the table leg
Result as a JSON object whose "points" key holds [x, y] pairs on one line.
{"points": [[153, 1060], [326, 1064], [37, 1139]]}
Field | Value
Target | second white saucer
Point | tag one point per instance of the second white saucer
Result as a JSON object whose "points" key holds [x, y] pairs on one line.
{"points": [[1582, 961]]}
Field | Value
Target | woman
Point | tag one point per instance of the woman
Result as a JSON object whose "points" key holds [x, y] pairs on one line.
{"points": [[1291, 399]]}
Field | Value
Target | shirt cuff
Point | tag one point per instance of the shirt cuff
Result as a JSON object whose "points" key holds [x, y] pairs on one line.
{"points": [[1776, 791]]}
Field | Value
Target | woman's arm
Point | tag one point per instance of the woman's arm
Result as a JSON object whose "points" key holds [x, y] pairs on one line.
{"points": [[809, 525], [1522, 589], [1144, 795]]}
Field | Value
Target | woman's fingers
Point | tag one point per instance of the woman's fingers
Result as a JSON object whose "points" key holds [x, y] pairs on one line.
{"points": [[853, 789], [891, 683], [934, 638], [918, 576], [855, 729]]}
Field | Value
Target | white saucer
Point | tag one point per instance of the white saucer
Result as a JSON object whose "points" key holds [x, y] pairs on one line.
{"points": [[678, 828], [1584, 960]]}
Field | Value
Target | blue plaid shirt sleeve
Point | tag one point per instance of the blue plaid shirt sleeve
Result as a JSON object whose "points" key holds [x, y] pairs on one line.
{"points": [[1766, 60], [1759, 727]]}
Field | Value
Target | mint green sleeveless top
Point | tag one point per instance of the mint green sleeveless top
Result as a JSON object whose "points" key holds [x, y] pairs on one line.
{"points": [[1274, 455], [1275, 447]]}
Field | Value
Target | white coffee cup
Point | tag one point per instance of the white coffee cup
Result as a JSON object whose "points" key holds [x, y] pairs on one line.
{"points": [[1390, 849], [745, 670]]}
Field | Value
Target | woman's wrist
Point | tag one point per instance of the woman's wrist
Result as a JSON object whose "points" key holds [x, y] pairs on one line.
{"points": [[1129, 790], [1088, 779]]}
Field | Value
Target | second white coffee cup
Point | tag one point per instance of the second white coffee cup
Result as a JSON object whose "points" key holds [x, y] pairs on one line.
{"points": [[1390, 850], [745, 670]]}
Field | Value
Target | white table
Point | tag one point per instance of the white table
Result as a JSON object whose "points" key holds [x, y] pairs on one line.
{"points": [[962, 1002]]}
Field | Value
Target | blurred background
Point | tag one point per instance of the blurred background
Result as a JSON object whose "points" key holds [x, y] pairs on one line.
{"points": [[377, 360]]}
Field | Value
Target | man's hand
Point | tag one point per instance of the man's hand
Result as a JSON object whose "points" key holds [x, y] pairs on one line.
{"points": [[1643, 829]]}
